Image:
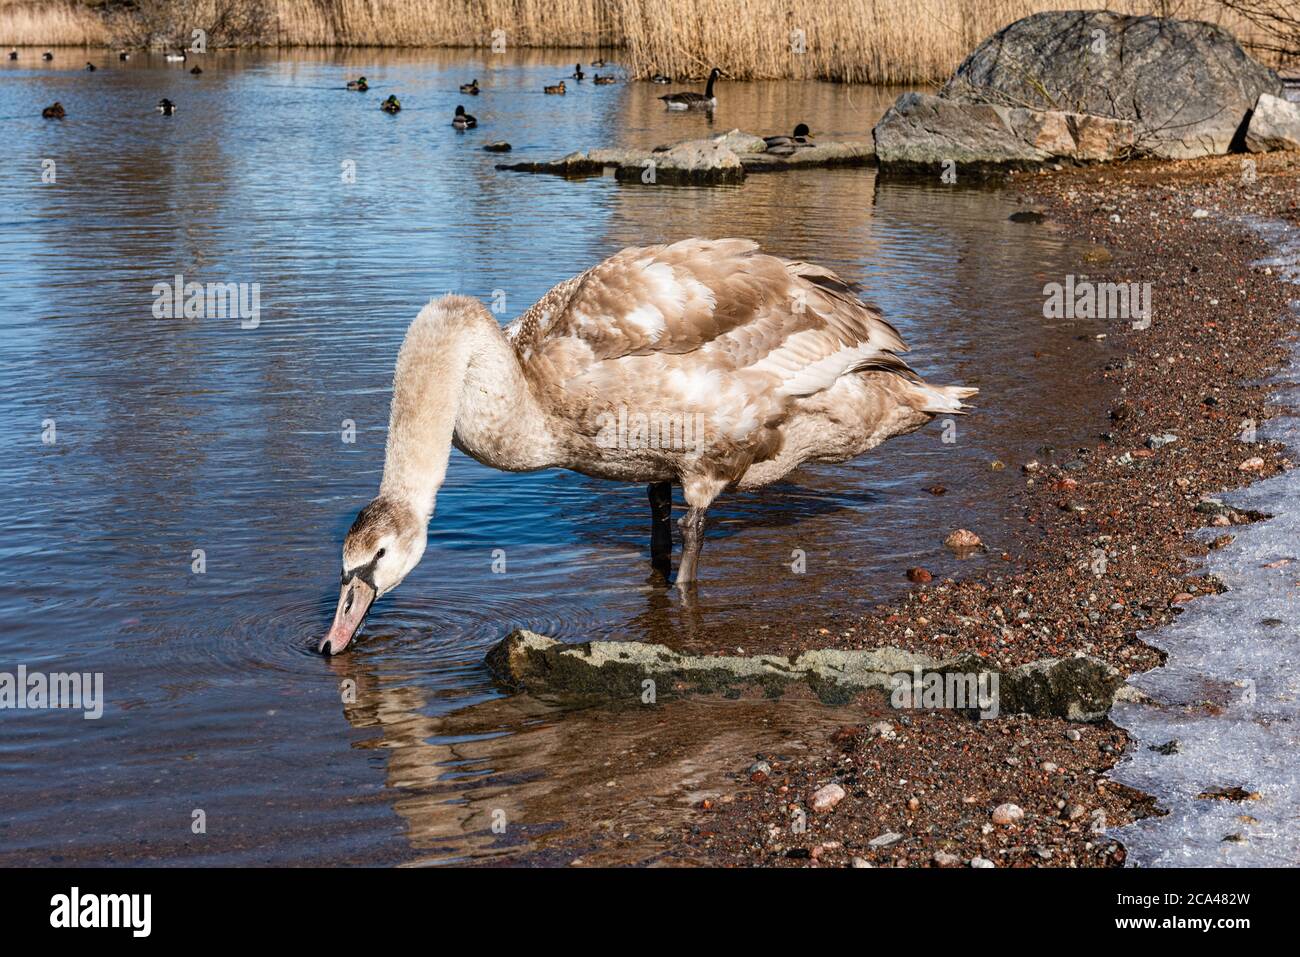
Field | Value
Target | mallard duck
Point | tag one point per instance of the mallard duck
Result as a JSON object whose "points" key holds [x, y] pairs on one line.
{"points": [[801, 136], [661, 78], [166, 107], [691, 100], [462, 120], [391, 105], [557, 89], [359, 85], [577, 72], [47, 55], [603, 80], [90, 67], [195, 71], [766, 363], [55, 112], [470, 89]]}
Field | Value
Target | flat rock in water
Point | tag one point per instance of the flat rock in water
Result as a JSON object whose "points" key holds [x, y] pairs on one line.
{"points": [[925, 131], [1079, 689], [1274, 125], [1187, 85]]}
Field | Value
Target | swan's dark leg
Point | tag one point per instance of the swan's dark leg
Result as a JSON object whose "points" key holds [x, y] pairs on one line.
{"points": [[661, 529], [692, 524]]}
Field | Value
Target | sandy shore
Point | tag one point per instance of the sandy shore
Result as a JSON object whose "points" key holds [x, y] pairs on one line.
{"points": [[1103, 552]]}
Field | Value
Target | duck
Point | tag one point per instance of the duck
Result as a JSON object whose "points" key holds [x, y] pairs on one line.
{"points": [[558, 89], [603, 80], [577, 72], [759, 364], [597, 64], [360, 85], [462, 120], [691, 100], [785, 145], [90, 67], [123, 55], [55, 112], [661, 78], [13, 54], [470, 89], [47, 56], [176, 57], [166, 107], [391, 105], [196, 71]]}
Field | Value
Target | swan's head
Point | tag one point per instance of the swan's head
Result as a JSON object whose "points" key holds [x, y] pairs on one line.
{"points": [[385, 542]]}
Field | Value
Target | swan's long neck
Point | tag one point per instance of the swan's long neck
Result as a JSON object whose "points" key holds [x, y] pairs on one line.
{"points": [[457, 376]]}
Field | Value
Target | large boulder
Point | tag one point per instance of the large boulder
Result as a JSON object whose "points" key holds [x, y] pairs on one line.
{"points": [[1274, 125], [923, 131], [1187, 85]]}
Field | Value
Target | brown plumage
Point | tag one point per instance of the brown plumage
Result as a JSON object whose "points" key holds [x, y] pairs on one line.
{"points": [[704, 363]]}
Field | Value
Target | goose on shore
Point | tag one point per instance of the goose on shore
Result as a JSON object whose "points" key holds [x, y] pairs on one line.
{"points": [[557, 90], [166, 107], [391, 105], [691, 100], [704, 363], [462, 120], [360, 85], [55, 112], [470, 89]]}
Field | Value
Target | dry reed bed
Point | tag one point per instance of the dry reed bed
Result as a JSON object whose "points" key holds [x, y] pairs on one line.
{"points": [[861, 41]]}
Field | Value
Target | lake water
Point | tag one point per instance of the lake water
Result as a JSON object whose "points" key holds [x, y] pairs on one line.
{"points": [[174, 435]]}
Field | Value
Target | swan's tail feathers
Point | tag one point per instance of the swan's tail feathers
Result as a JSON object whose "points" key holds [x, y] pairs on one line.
{"points": [[940, 399]]}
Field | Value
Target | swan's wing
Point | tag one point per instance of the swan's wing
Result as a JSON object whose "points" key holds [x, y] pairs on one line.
{"points": [[708, 310]]}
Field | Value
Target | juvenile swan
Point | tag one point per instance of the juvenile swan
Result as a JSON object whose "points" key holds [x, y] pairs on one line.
{"points": [[704, 362]]}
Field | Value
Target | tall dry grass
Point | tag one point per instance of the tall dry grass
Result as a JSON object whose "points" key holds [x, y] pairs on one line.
{"points": [[860, 41]]}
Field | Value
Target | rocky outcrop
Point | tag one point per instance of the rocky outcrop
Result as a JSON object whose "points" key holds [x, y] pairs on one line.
{"points": [[719, 159], [1274, 125], [1078, 689], [1186, 85], [923, 131]]}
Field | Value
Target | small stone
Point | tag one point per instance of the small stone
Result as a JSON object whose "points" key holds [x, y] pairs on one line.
{"points": [[919, 575], [981, 862], [883, 729], [1008, 814], [884, 840], [1201, 214], [1073, 734], [963, 538], [944, 859], [861, 862], [1049, 767], [936, 489], [1252, 464], [1075, 812], [827, 797], [1159, 441]]}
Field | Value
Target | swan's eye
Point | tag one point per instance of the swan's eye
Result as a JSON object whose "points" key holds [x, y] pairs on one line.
{"points": [[380, 553]]}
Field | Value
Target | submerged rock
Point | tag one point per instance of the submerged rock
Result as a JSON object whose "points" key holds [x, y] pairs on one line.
{"points": [[1187, 85], [1274, 125]]}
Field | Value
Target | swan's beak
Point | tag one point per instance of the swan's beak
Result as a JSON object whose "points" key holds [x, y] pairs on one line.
{"points": [[354, 601]]}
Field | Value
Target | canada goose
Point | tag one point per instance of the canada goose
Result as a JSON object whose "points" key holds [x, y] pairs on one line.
{"points": [[195, 71], [557, 89], [166, 107], [691, 100], [90, 67], [462, 120], [577, 72], [55, 112], [661, 78], [470, 89], [769, 363], [359, 85], [391, 105], [603, 80], [47, 55], [176, 57]]}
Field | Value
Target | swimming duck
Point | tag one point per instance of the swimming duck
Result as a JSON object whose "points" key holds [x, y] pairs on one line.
{"points": [[123, 55], [391, 105], [55, 112], [359, 85], [597, 63], [47, 55], [773, 363], [196, 71], [691, 100], [462, 120], [661, 78], [166, 107], [470, 89], [577, 72], [90, 67], [176, 57], [557, 89], [13, 54], [603, 80]]}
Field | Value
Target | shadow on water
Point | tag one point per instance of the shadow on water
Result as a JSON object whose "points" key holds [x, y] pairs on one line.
{"points": [[199, 444]]}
